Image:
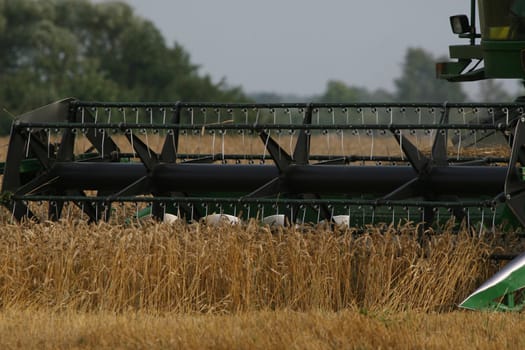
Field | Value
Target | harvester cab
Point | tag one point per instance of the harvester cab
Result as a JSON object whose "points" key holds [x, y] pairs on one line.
{"points": [[496, 51]]}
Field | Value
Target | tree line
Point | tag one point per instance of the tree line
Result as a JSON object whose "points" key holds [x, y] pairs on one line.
{"points": [[417, 83], [51, 49]]}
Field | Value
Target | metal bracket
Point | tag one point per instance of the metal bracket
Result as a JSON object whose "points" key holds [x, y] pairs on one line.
{"points": [[514, 185], [171, 145]]}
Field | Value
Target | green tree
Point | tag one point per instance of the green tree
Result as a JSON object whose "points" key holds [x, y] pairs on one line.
{"points": [[418, 82], [51, 49], [338, 92]]}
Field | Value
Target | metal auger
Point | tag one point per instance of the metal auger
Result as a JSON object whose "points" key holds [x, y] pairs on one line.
{"points": [[355, 164]]}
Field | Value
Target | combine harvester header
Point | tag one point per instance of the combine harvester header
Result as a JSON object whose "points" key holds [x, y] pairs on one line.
{"points": [[301, 163], [353, 164]]}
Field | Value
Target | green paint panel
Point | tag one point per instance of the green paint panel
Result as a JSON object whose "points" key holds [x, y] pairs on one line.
{"points": [[498, 293], [503, 59]]}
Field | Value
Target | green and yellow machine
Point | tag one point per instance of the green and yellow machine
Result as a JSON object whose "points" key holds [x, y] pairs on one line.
{"points": [[496, 51], [350, 164], [500, 53]]}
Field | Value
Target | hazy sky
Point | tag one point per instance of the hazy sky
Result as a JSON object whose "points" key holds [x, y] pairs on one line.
{"points": [[296, 46]]}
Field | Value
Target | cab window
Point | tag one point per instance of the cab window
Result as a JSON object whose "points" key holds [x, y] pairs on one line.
{"points": [[502, 19]]}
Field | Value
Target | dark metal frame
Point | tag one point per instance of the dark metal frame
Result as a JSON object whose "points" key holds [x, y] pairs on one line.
{"points": [[161, 179]]}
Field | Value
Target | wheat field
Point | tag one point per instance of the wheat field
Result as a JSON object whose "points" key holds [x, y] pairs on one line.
{"points": [[223, 269], [153, 285]]}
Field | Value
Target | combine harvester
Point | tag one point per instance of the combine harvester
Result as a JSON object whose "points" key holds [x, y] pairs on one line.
{"points": [[289, 164]]}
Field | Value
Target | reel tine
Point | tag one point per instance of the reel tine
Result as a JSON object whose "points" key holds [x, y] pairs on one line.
{"points": [[148, 147], [95, 119], [55, 210], [28, 144], [290, 131], [493, 219], [468, 218], [48, 133], [223, 135], [372, 135], [482, 224], [343, 153], [107, 211], [13, 211]]}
